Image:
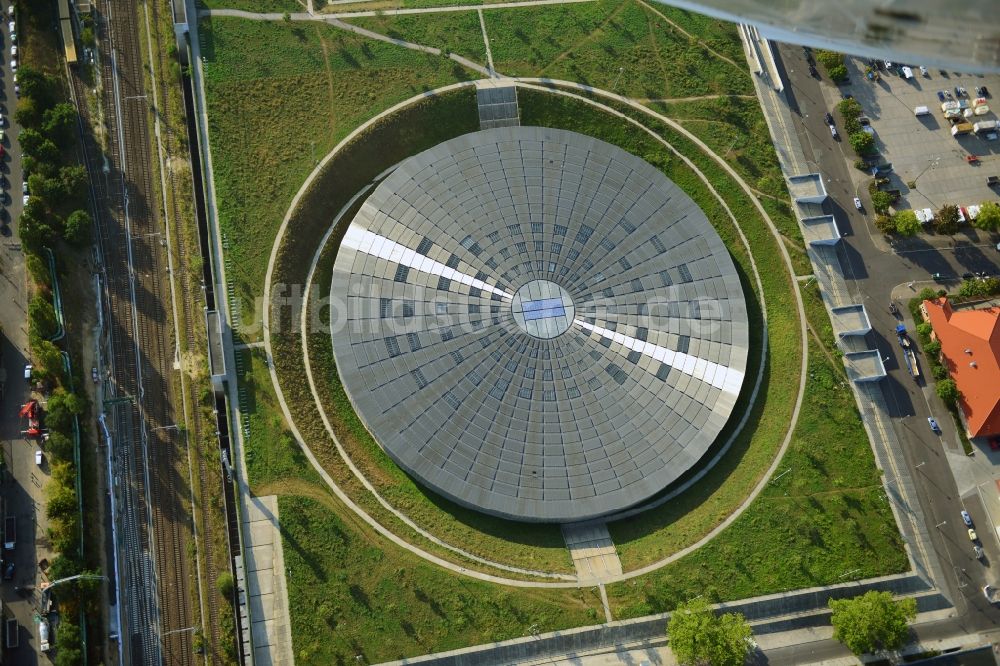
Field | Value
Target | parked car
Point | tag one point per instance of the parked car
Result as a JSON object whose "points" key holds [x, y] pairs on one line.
{"points": [[978, 550], [13, 49], [93, 375], [38, 457], [924, 72], [8, 571], [986, 91], [834, 133], [857, 203], [828, 118], [958, 91], [966, 518], [972, 534], [931, 421], [13, 64], [941, 95], [813, 72]]}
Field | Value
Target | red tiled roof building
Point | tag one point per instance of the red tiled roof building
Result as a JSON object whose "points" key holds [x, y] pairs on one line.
{"points": [[970, 347]]}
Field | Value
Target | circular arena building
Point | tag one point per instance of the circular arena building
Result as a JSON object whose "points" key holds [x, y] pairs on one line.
{"points": [[537, 324]]}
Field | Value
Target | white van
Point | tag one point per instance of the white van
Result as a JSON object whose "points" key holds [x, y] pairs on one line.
{"points": [[921, 111]]}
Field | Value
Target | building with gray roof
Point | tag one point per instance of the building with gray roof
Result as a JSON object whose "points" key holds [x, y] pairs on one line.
{"points": [[537, 324]]}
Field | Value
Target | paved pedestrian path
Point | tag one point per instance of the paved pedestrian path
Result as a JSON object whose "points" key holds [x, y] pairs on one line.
{"points": [[306, 16], [267, 595], [593, 551]]}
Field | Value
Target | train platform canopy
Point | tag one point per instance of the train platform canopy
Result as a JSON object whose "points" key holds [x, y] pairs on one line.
{"points": [[807, 188], [820, 230], [69, 45], [970, 344], [850, 320], [865, 366]]}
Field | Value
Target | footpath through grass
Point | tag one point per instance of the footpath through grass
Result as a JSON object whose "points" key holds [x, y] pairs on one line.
{"points": [[280, 96], [452, 32], [611, 44]]}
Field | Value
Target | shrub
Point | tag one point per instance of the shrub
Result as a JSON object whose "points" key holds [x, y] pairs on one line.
{"points": [[924, 329], [979, 288], [933, 349], [939, 372], [860, 164], [829, 58], [881, 201], [885, 224], [838, 73], [863, 143], [226, 585]]}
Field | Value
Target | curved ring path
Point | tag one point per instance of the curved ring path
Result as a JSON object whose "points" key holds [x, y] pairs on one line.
{"points": [[572, 582]]}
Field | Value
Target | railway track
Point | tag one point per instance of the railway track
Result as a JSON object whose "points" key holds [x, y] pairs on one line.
{"points": [[189, 296], [153, 524]]}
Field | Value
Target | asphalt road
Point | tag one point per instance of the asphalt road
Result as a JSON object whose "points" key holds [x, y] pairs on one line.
{"points": [[874, 273]]}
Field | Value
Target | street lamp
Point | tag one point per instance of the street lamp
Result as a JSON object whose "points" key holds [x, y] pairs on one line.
{"points": [[943, 522]]}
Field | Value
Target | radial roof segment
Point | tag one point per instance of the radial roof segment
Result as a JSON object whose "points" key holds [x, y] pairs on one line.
{"points": [[537, 324]]}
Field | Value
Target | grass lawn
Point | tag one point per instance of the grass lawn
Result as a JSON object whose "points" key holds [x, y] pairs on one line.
{"points": [[720, 35], [280, 96], [255, 5], [376, 5], [734, 127], [452, 32], [828, 515], [590, 42], [271, 452], [352, 597]]}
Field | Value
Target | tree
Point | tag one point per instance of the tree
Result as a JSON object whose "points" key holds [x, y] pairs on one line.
{"points": [[73, 179], [849, 108], [946, 220], [29, 113], [36, 85], [933, 349], [872, 622], [62, 501], [881, 201], [47, 190], [885, 224], [907, 223], [698, 636], [948, 391], [77, 228], [59, 123], [989, 216], [42, 316], [59, 446], [863, 143]]}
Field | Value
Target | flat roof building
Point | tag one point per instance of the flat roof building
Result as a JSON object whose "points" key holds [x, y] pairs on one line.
{"points": [[820, 230], [807, 188], [970, 347]]}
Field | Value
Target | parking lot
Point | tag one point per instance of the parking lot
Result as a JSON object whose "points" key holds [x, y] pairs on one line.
{"points": [[921, 148]]}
